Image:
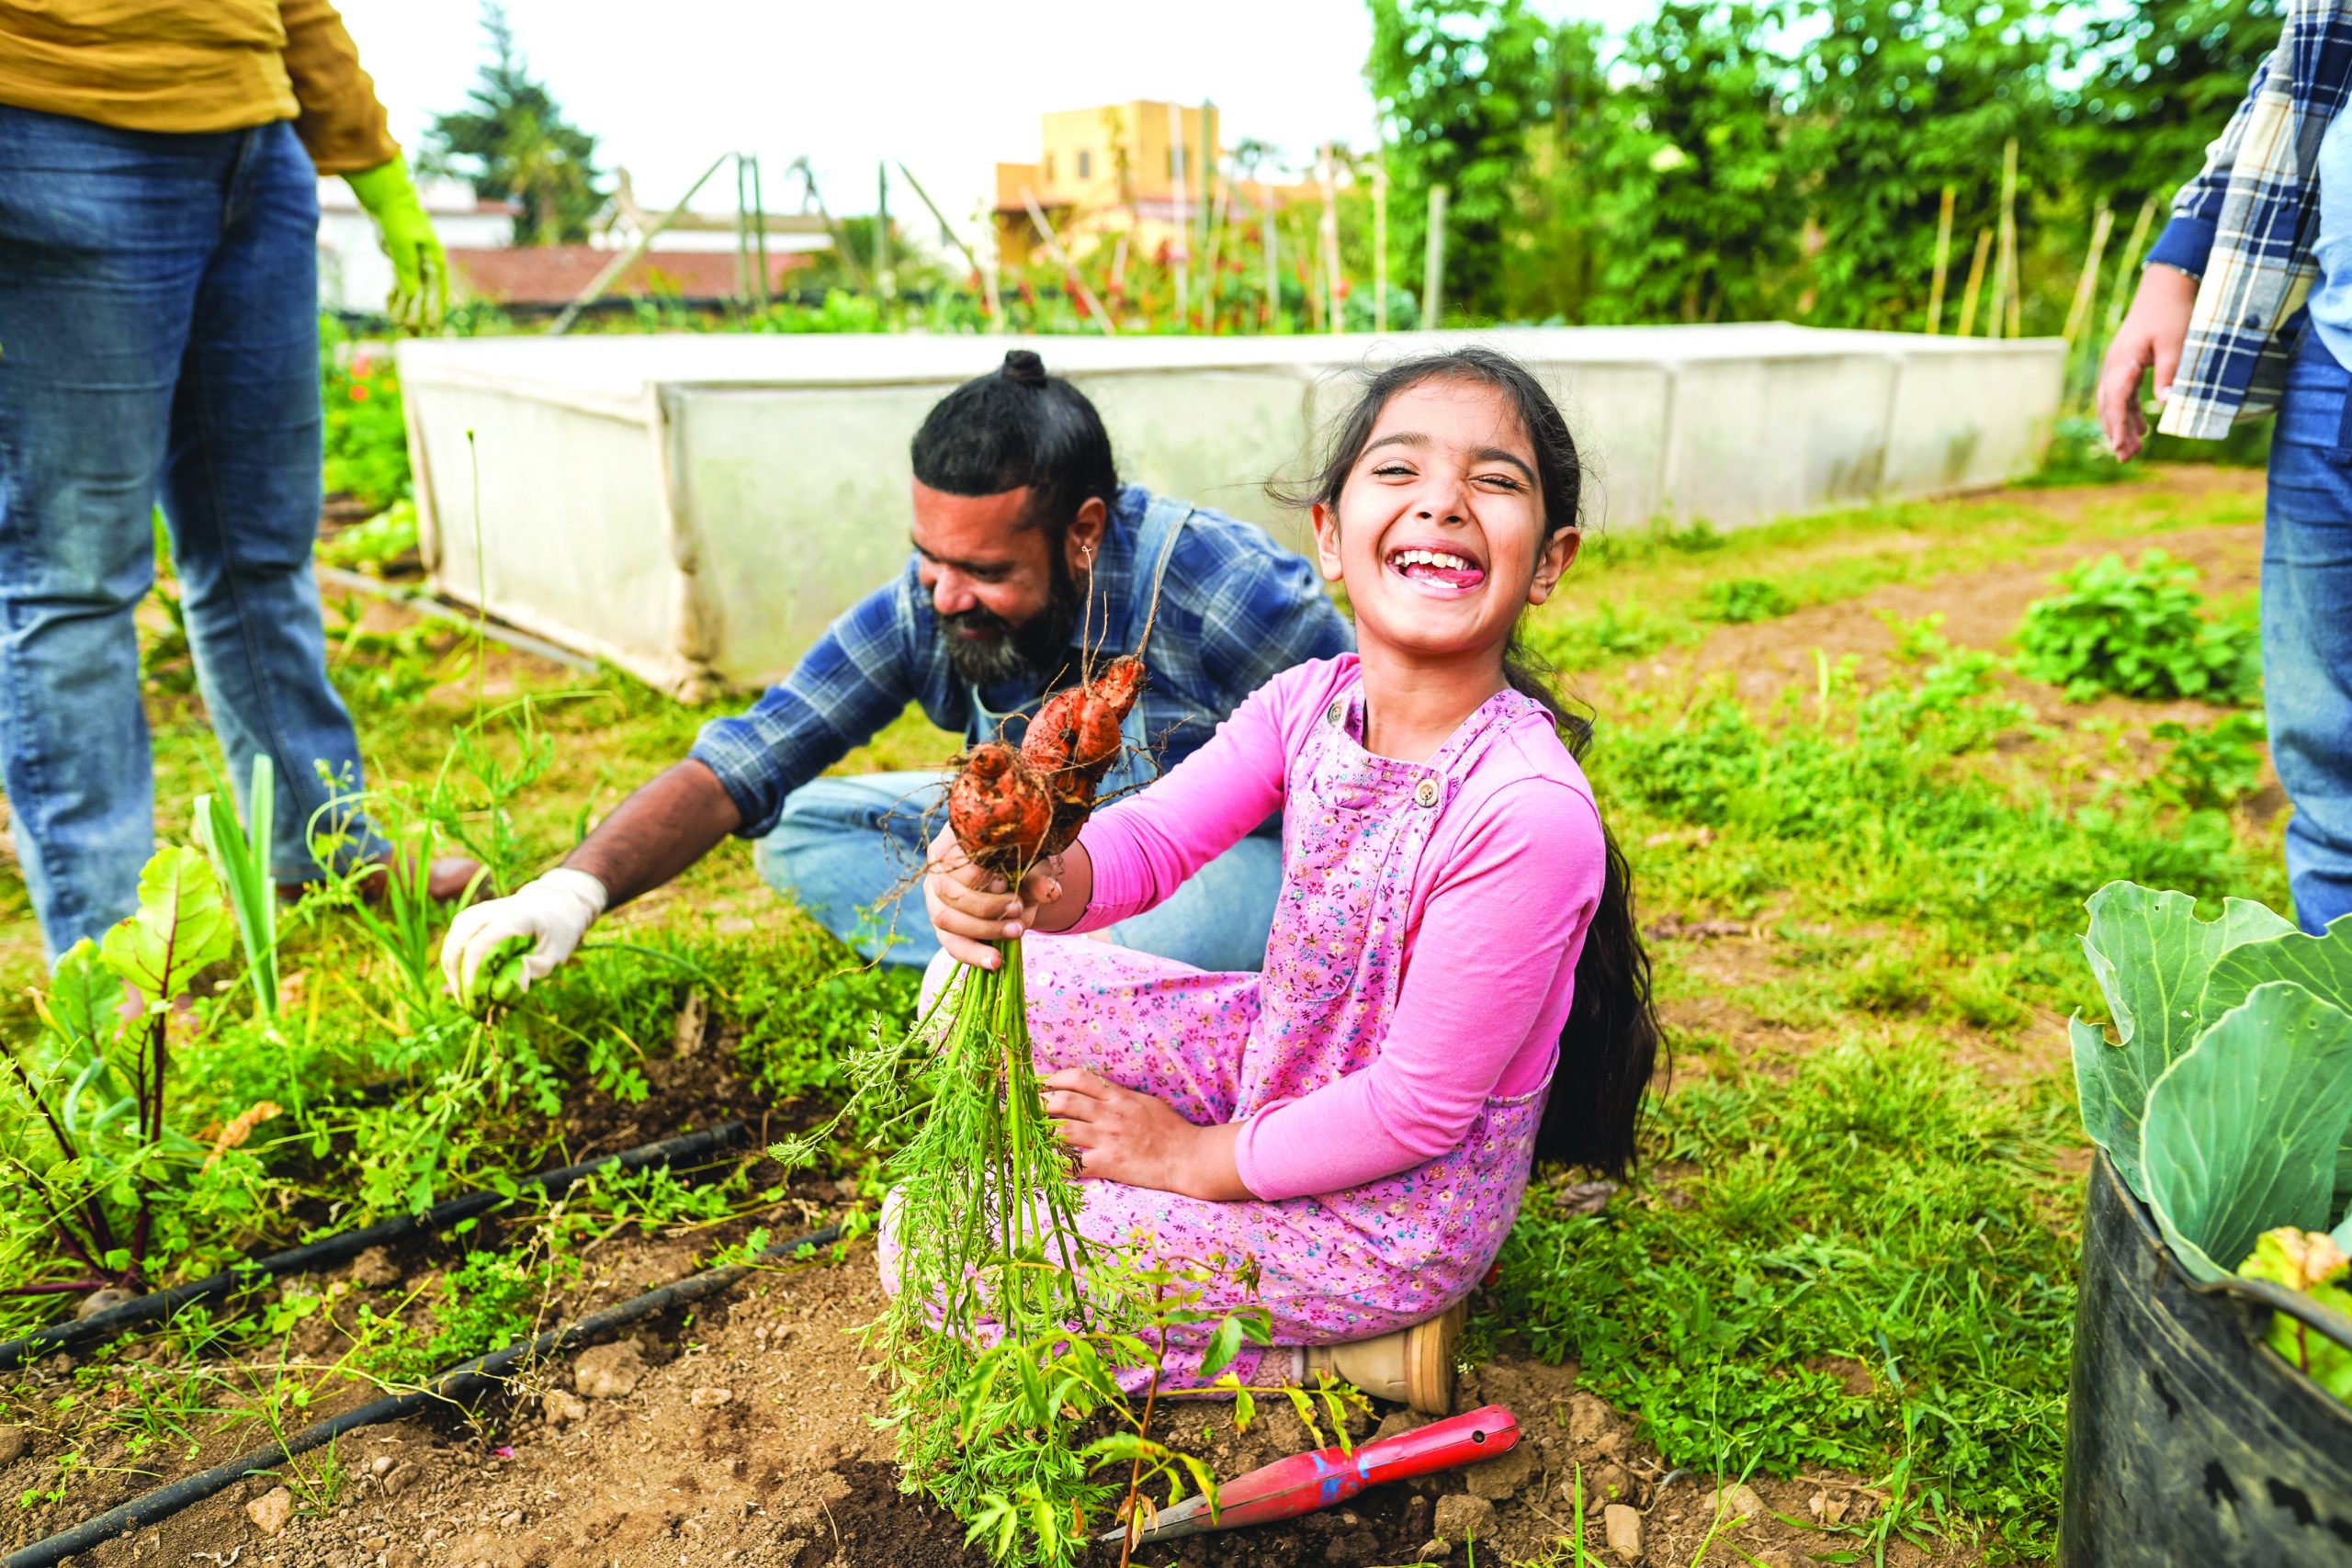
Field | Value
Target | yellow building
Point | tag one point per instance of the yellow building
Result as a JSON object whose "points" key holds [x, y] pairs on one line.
{"points": [[1140, 170]]}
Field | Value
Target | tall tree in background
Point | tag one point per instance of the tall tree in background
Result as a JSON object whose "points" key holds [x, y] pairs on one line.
{"points": [[1698, 213], [2164, 77], [513, 143], [1899, 99], [1457, 83]]}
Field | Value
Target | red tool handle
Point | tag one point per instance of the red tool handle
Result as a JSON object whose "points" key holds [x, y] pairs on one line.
{"points": [[1461, 1440]]}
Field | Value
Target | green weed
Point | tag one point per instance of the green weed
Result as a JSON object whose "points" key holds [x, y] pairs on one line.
{"points": [[2139, 631]]}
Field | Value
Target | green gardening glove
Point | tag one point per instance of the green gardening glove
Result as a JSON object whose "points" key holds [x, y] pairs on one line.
{"points": [[420, 267]]}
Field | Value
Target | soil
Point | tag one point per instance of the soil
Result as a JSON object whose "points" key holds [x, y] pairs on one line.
{"points": [[749, 1441]]}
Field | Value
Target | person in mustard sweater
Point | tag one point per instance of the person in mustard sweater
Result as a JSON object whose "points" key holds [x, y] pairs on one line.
{"points": [[159, 342]]}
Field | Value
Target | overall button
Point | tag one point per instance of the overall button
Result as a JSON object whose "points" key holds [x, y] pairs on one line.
{"points": [[1425, 793], [1333, 714]]}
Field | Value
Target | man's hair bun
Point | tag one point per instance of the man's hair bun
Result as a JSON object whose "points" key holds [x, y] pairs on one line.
{"points": [[1023, 365]]}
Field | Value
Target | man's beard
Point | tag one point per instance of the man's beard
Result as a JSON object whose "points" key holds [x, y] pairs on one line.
{"points": [[1002, 652]]}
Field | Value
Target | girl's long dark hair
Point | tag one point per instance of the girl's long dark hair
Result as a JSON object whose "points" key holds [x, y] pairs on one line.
{"points": [[1609, 1045]]}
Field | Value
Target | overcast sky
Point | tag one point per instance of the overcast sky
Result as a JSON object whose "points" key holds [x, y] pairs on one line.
{"points": [[951, 89]]}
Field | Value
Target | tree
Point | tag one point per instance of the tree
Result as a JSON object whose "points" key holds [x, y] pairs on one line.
{"points": [[2165, 76], [515, 144], [1900, 98], [1457, 83]]}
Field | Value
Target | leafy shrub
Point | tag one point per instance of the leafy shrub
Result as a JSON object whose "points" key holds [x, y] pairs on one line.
{"points": [[366, 436], [2216, 766], [1746, 599], [376, 544], [2139, 631]]}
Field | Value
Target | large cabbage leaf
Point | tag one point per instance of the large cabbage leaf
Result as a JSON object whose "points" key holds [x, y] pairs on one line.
{"points": [[2322, 965], [2153, 958], [2241, 1131]]}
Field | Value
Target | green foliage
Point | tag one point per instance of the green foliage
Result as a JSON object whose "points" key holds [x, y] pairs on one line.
{"points": [[514, 142], [2242, 1133], [242, 863], [364, 438], [1876, 1208], [2137, 631], [379, 542], [2313, 1266], [2153, 957], [2226, 1101], [1744, 599], [2215, 766]]}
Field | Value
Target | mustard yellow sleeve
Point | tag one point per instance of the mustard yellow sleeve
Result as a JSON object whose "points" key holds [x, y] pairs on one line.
{"points": [[341, 122]]}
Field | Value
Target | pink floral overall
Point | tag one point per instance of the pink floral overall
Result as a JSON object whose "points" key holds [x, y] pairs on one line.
{"points": [[1338, 1266]]}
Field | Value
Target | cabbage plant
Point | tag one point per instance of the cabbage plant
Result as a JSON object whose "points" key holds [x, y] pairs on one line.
{"points": [[2224, 1097]]}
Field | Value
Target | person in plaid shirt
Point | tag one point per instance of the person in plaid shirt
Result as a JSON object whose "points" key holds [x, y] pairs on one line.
{"points": [[1028, 554], [2246, 307]]}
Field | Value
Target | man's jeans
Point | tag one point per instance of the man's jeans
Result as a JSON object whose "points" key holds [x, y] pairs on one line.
{"points": [[2307, 627], [158, 341], [850, 852]]}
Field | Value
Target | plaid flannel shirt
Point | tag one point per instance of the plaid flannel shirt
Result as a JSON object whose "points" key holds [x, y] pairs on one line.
{"points": [[1234, 609], [2246, 225]]}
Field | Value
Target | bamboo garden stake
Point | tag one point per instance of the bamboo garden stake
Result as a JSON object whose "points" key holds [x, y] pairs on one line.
{"points": [[2086, 287], [1943, 265], [1379, 242], [2122, 298], [1061, 259], [2008, 293], [1433, 263], [1179, 251], [1976, 278], [1327, 168], [1271, 319]]}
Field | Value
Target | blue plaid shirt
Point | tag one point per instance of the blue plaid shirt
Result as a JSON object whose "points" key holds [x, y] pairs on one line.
{"points": [[1235, 610], [2246, 225]]}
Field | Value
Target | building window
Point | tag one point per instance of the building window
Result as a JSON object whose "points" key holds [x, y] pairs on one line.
{"points": [[1049, 168], [1085, 164]]}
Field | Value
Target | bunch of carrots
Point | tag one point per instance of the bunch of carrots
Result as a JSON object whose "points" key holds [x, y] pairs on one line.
{"points": [[985, 1219]]}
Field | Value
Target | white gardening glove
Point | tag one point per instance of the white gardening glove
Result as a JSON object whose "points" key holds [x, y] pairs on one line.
{"points": [[554, 911]]}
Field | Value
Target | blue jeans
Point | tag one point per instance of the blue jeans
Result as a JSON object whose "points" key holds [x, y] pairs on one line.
{"points": [[2307, 627], [158, 341], [849, 851]]}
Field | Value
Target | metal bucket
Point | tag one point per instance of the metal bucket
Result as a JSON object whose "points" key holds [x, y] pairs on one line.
{"points": [[2190, 1444]]}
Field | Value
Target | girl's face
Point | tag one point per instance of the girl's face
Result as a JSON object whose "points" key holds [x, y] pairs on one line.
{"points": [[1439, 532]]}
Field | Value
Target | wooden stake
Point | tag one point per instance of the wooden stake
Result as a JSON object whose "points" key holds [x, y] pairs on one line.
{"points": [[1433, 263], [1179, 250], [1976, 278], [1943, 264], [1379, 243], [1215, 246], [988, 300], [2087, 285], [2121, 299], [1272, 318], [2005, 271], [1332, 312], [1061, 259]]}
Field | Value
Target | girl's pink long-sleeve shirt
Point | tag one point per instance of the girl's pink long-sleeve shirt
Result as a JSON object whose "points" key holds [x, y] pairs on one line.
{"points": [[1496, 918]]}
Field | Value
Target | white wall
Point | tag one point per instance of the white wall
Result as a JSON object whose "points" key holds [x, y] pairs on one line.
{"points": [[698, 507]]}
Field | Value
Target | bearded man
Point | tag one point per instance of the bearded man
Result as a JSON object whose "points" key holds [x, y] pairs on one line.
{"points": [[1029, 558]]}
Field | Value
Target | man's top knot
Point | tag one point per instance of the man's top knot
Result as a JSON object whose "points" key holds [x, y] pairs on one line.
{"points": [[1023, 365]]}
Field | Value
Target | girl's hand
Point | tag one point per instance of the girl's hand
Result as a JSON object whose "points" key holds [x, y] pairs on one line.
{"points": [[1133, 1138], [971, 909]]}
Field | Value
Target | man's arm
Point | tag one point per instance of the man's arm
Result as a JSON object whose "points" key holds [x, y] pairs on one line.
{"points": [[668, 824], [1274, 616], [2155, 330]]}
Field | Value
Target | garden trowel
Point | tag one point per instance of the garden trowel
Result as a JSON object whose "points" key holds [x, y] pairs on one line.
{"points": [[1304, 1483]]}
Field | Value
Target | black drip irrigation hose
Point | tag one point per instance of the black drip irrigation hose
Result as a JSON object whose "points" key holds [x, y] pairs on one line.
{"points": [[335, 1250], [449, 1386]]}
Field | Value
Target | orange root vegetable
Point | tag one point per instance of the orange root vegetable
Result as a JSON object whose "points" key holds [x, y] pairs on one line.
{"points": [[1000, 810], [1010, 809]]}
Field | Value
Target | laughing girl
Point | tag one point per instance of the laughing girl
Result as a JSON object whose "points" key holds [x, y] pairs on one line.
{"points": [[1455, 987]]}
